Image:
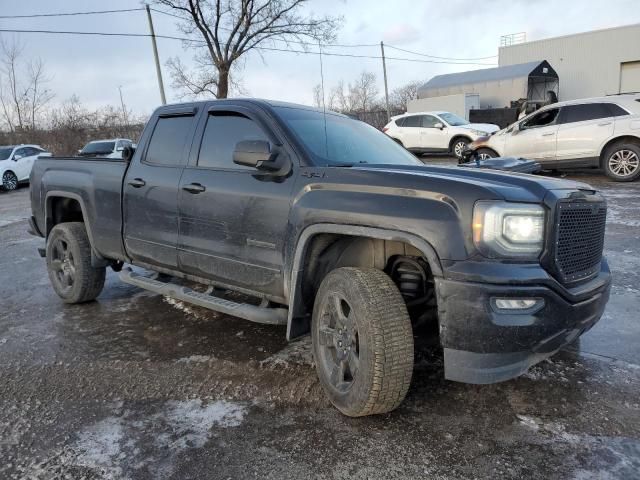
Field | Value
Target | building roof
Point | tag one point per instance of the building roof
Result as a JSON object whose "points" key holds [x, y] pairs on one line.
{"points": [[520, 70]]}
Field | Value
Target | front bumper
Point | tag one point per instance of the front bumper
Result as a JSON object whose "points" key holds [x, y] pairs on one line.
{"points": [[483, 345]]}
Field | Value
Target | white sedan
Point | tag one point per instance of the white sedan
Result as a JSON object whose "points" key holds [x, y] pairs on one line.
{"points": [[16, 162], [436, 132]]}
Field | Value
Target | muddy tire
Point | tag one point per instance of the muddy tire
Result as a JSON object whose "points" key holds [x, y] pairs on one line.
{"points": [[621, 161], [69, 264], [362, 341], [9, 181]]}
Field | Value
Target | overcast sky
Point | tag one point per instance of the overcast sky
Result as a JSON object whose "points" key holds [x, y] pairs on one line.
{"points": [[94, 67]]}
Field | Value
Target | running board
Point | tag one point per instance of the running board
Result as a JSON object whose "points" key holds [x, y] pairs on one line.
{"points": [[265, 315]]}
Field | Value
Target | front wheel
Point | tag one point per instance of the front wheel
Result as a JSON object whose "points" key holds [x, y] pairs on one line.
{"points": [[486, 154], [362, 341], [622, 162], [459, 146], [9, 181], [72, 276]]}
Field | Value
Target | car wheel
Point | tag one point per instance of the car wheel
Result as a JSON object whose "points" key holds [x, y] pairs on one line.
{"points": [[9, 181], [72, 276], [622, 162], [362, 341], [459, 146], [486, 153]]}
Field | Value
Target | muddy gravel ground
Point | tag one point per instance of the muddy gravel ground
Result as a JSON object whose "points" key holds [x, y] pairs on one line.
{"points": [[138, 386]]}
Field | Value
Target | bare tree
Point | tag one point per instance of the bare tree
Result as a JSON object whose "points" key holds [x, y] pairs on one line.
{"points": [[222, 31], [363, 92], [339, 101], [318, 97], [23, 92], [401, 96]]}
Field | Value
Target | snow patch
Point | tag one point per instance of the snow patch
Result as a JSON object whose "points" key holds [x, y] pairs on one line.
{"points": [[294, 354]]}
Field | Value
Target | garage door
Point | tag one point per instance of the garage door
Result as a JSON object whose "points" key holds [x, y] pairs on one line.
{"points": [[630, 77]]}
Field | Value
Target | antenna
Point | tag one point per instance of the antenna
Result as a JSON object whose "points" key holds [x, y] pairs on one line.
{"points": [[324, 108]]}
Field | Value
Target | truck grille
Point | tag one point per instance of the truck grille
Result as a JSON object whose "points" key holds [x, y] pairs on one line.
{"points": [[579, 239]]}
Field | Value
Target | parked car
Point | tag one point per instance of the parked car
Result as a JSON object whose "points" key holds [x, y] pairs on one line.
{"points": [[436, 132], [333, 230], [105, 148], [16, 162], [595, 132]]}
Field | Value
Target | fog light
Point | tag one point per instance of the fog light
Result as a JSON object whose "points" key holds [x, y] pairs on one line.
{"points": [[516, 304]]}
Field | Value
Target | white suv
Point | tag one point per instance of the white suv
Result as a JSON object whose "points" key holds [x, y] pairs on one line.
{"points": [[105, 148], [16, 162], [436, 132], [595, 132]]}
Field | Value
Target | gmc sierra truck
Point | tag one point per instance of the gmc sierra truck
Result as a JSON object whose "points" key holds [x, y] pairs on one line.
{"points": [[329, 227]]}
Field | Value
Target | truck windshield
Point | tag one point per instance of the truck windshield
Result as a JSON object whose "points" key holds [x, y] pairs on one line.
{"points": [[453, 120], [5, 153], [94, 148], [334, 140]]}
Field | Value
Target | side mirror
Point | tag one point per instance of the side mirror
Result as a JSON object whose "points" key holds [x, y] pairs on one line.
{"points": [[127, 153], [257, 154], [17, 157], [439, 125], [119, 149]]}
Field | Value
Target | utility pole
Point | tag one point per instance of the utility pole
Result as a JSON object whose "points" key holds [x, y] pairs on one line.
{"points": [[155, 54], [386, 88], [124, 109]]}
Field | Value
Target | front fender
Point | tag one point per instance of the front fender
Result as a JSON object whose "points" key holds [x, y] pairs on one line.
{"points": [[296, 323]]}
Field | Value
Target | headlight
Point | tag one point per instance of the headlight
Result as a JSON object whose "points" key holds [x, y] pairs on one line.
{"points": [[479, 133], [502, 229]]}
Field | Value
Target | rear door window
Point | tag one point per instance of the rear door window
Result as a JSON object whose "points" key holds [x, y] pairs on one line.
{"points": [[168, 141], [584, 112], [616, 110], [413, 121]]}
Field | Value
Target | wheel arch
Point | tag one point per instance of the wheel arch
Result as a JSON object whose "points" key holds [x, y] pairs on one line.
{"points": [[614, 140], [458, 136], [323, 236], [61, 206]]}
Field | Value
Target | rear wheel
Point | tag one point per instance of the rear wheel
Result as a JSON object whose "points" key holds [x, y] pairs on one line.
{"points": [[362, 341], [72, 276], [9, 181], [458, 146], [622, 161], [486, 153]]}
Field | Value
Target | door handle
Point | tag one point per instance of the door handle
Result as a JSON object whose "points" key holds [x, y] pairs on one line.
{"points": [[137, 183], [604, 124], [194, 188], [548, 134]]}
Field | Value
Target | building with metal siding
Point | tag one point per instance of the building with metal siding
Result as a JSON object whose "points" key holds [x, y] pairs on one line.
{"points": [[589, 64]]}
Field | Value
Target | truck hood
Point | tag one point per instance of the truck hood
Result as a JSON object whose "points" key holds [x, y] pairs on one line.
{"points": [[486, 184]]}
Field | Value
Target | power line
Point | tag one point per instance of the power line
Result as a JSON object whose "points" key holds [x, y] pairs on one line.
{"points": [[71, 14], [441, 58], [272, 49], [311, 44], [298, 42]]}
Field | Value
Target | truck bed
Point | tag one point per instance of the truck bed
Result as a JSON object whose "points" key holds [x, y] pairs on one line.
{"points": [[96, 183]]}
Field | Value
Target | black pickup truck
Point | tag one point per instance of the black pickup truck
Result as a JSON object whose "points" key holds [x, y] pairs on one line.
{"points": [[330, 227]]}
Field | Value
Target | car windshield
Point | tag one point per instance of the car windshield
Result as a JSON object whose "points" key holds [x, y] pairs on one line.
{"points": [[5, 153], [334, 140], [98, 147], [452, 119]]}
